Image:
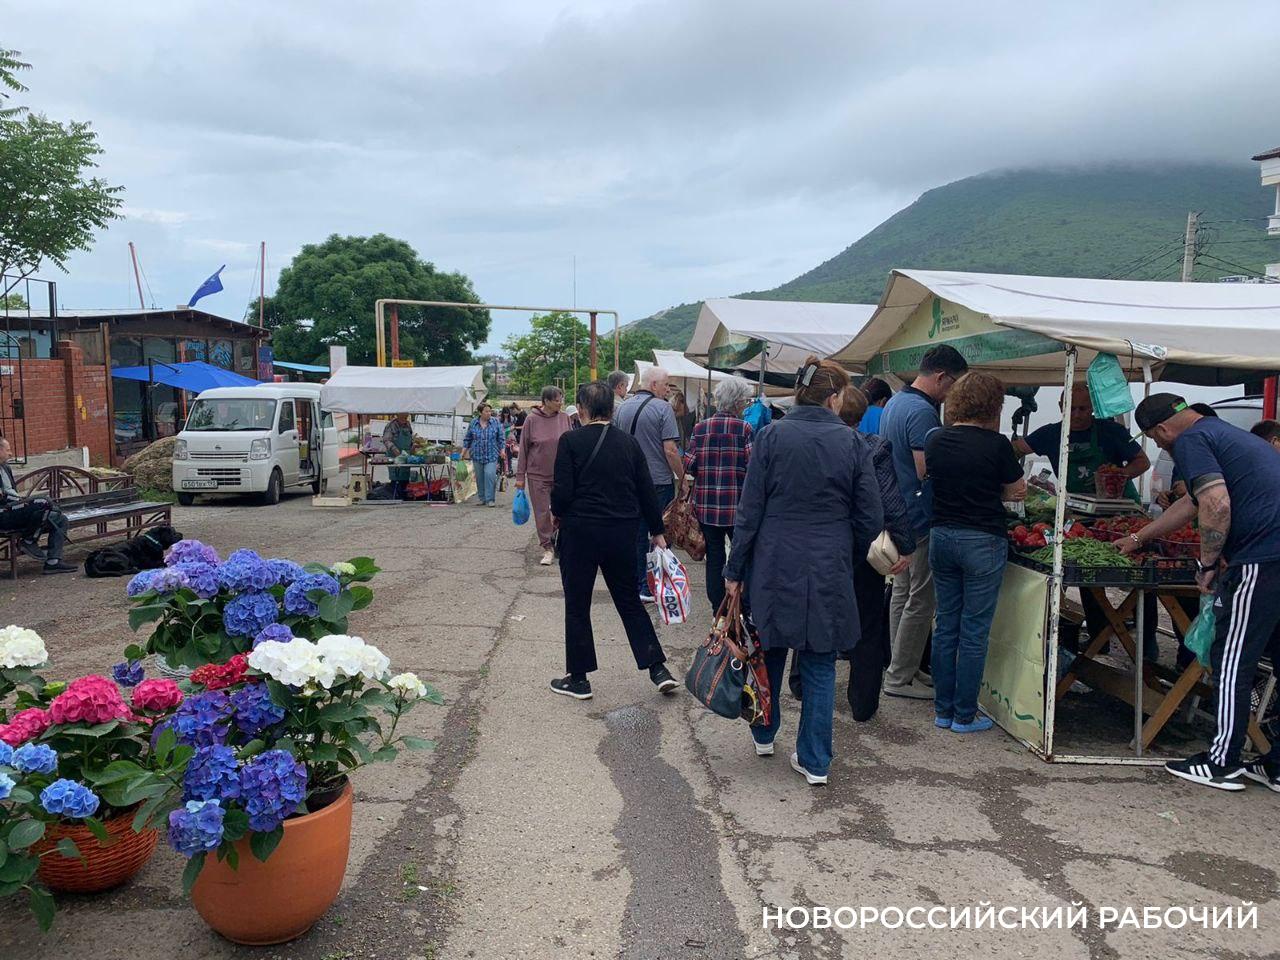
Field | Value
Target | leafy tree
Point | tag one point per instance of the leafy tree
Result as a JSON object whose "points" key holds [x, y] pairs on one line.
{"points": [[634, 343], [545, 354], [9, 67], [13, 301], [326, 296], [49, 206]]}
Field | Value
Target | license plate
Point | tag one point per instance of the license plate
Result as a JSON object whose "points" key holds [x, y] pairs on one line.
{"points": [[199, 484]]}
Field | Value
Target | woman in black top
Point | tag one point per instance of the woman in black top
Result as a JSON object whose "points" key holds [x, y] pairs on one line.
{"points": [[601, 490], [973, 469]]}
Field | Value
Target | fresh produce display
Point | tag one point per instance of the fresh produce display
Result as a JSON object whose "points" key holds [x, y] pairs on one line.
{"points": [[1183, 542], [1039, 534], [1114, 528], [1085, 552]]}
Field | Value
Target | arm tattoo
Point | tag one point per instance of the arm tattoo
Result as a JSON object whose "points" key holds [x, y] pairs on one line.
{"points": [[1215, 522]]}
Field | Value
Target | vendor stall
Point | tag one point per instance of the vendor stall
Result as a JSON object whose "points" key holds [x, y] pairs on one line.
{"points": [[1047, 330]]}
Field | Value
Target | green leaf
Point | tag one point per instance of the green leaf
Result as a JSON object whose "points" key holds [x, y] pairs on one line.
{"points": [[134, 652], [25, 833], [19, 869], [116, 771], [333, 609], [340, 712], [4, 852], [97, 730], [165, 743], [324, 753], [94, 826], [433, 695], [67, 847], [42, 905], [262, 844], [252, 749], [418, 743], [21, 795], [361, 597], [232, 858], [235, 824], [194, 866], [147, 812], [144, 614], [384, 755]]}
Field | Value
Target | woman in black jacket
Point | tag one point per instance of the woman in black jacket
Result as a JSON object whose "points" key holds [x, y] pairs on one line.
{"points": [[601, 491]]}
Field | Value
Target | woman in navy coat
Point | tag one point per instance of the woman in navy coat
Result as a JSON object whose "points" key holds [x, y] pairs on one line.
{"points": [[810, 504]]}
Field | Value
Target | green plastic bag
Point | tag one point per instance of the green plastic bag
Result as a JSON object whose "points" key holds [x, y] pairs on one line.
{"points": [[1199, 638], [1108, 388], [461, 471]]}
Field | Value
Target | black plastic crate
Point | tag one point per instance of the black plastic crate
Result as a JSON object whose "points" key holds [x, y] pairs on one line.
{"points": [[1077, 576]]}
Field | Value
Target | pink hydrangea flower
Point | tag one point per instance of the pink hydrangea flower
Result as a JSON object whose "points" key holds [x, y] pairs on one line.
{"points": [[25, 725], [92, 699], [156, 695]]}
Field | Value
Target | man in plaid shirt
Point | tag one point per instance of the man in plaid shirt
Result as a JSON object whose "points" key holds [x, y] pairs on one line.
{"points": [[719, 449]]}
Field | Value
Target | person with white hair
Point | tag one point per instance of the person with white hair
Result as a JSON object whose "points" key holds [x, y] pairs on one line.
{"points": [[655, 429], [717, 455]]}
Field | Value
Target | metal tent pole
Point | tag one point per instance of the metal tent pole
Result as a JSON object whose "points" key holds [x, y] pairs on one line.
{"points": [[1055, 583]]}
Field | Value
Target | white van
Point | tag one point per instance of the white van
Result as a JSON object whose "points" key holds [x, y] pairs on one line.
{"points": [[255, 440]]}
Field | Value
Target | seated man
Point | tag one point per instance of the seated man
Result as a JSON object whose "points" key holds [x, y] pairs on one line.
{"points": [[29, 517]]}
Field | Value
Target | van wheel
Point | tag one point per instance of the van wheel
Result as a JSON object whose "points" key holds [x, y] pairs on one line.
{"points": [[274, 485], [186, 499], [318, 485]]}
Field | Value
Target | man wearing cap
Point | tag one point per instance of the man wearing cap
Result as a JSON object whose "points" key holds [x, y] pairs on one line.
{"points": [[1232, 477]]}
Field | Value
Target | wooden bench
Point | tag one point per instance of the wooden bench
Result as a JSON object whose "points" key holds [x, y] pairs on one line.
{"points": [[96, 508]]}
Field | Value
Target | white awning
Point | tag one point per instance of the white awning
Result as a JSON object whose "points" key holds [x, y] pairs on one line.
{"points": [[793, 329], [1013, 325], [376, 390]]}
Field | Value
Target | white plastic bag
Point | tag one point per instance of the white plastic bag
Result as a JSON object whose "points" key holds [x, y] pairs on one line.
{"points": [[668, 584]]}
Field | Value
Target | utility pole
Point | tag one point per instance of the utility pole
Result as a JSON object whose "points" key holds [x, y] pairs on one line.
{"points": [[262, 283], [1189, 247], [133, 255]]}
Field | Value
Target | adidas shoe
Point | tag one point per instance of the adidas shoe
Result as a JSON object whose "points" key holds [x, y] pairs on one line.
{"points": [[1265, 772], [1200, 769]]}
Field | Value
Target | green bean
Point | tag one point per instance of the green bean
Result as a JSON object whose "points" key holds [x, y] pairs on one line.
{"points": [[1085, 552]]}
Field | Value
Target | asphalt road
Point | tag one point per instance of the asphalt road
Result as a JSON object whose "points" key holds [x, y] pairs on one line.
{"points": [[641, 827]]}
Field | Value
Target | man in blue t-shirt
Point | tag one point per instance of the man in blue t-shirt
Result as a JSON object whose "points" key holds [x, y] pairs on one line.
{"points": [[1233, 479], [909, 417]]}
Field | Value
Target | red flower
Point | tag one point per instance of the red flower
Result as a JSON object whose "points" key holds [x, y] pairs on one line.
{"points": [[93, 699], [25, 725], [156, 695], [216, 676]]}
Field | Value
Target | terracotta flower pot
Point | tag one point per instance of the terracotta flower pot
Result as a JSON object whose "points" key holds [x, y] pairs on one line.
{"points": [[102, 867], [264, 903]]}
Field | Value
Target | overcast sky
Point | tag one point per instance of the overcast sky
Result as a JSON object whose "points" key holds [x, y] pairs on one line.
{"points": [[678, 148]]}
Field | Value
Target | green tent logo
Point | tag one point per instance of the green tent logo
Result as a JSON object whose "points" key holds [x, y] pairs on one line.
{"points": [[937, 318]]}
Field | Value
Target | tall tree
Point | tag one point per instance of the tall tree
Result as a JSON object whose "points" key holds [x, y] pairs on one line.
{"points": [[545, 354], [49, 204], [326, 296]]}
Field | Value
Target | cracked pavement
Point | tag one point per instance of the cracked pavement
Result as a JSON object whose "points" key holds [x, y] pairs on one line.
{"points": [[642, 827]]}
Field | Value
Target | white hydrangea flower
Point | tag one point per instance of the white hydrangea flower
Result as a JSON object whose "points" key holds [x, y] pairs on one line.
{"points": [[295, 663], [20, 647], [407, 685], [352, 657], [343, 569]]}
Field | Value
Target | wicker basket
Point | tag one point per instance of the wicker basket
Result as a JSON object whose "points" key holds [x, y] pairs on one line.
{"points": [[101, 867]]}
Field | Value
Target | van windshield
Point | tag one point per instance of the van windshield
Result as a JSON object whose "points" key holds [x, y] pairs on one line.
{"points": [[232, 414]]}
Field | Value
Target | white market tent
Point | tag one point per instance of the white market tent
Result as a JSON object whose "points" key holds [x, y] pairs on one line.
{"points": [[1043, 330], [732, 333], [425, 390], [688, 377]]}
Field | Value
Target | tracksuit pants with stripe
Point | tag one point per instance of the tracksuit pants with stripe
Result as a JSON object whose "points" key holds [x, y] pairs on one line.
{"points": [[1247, 613]]}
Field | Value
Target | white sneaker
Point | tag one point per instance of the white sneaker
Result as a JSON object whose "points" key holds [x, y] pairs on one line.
{"points": [[763, 749], [811, 778], [548, 558], [493, 503]]}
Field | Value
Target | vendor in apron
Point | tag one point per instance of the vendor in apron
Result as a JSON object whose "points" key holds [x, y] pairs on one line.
{"points": [[397, 438], [1093, 444]]}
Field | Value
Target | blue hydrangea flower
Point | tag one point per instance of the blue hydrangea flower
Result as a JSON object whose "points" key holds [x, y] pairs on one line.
{"points": [[276, 631], [6, 786], [272, 785], [35, 758], [255, 711], [245, 571], [296, 600], [197, 827], [212, 774], [166, 580], [129, 673], [191, 551], [202, 719], [286, 571], [248, 614], [66, 798], [140, 584], [6, 755], [201, 578]]}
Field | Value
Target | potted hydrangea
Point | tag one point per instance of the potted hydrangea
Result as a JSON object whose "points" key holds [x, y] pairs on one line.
{"points": [[206, 609]]}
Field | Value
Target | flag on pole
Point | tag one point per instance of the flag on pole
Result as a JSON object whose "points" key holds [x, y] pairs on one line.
{"points": [[212, 285]]}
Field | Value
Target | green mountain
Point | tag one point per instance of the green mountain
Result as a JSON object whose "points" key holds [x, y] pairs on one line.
{"points": [[1119, 221]]}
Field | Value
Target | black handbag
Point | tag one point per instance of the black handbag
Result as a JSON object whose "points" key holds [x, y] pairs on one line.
{"points": [[728, 674]]}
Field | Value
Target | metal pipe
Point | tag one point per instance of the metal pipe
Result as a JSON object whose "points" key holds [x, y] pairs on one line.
{"points": [[1055, 581], [1138, 678]]}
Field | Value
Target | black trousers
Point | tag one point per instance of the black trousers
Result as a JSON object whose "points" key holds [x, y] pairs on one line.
{"points": [[1246, 614], [716, 555], [588, 547], [30, 518]]}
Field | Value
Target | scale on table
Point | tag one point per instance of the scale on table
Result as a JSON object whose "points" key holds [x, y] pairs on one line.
{"points": [[1099, 506]]}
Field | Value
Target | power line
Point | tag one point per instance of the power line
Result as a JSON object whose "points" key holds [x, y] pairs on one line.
{"points": [[1145, 259], [1240, 220], [1243, 269]]}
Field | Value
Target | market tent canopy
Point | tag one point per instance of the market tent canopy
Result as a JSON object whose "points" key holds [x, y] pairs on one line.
{"points": [[731, 333], [688, 376], [192, 375], [404, 389], [1018, 326]]}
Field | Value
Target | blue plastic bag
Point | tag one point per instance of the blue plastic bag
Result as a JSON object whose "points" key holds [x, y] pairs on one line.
{"points": [[757, 414], [520, 508], [1199, 638]]}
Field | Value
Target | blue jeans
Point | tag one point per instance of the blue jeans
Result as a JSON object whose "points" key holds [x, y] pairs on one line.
{"points": [[666, 493], [486, 481], [817, 709], [968, 568]]}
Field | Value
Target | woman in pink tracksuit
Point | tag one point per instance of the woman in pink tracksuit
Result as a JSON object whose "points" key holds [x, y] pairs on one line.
{"points": [[535, 465]]}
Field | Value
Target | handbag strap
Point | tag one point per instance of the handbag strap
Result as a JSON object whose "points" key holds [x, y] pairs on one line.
{"points": [[636, 419], [594, 450]]}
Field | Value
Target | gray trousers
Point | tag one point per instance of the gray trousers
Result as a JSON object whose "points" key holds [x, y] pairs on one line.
{"points": [[910, 617]]}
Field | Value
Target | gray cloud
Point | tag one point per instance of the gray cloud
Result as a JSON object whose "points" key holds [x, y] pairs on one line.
{"points": [[680, 148]]}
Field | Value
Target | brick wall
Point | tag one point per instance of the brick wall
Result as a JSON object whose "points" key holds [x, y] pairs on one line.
{"points": [[65, 404]]}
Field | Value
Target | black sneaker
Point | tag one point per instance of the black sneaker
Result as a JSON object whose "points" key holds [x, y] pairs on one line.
{"points": [[1200, 769], [567, 686], [58, 567], [1265, 772], [31, 549], [662, 679]]}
